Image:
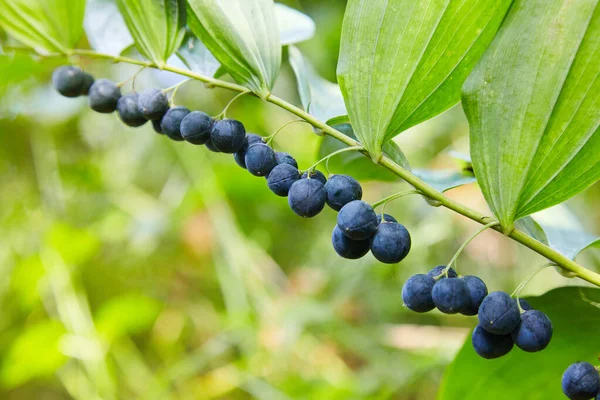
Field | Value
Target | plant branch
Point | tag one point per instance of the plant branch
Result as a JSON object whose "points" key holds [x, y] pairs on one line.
{"points": [[519, 236]]}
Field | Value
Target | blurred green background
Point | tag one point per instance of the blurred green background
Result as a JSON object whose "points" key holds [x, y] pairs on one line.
{"points": [[136, 267]]}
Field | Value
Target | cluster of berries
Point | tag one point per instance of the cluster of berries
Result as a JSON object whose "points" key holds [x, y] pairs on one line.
{"points": [[358, 228], [581, 382], [502, 322]]}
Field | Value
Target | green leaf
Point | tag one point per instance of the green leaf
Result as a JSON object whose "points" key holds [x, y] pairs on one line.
{"points": [[320, 98], [44, 25], [356, 164], [39, 342], [530, 376], [294, 26], [105, 28], [197, 57], [404, 61], [129, 314], [243, 36], [445, 179], [560, 229], [157, 27], [532, 107]]}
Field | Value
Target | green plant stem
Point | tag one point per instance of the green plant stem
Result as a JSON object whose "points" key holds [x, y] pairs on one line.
{"points": [[466, 242], [519, 236], [223, 113], [335, 153], [522, 285], [282, 127], [392, 197]]}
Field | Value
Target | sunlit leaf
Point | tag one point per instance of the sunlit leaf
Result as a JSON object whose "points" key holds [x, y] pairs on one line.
{"points": [[243, 36], [294, 26], [105, 28], [404, 61], [319, 97], [38, 342], [530, 376], [532, 105], [356, 164], [157, 27], [129, 314], [45, 25]]}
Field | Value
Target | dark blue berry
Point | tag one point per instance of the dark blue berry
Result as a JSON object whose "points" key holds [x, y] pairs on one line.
{"points": [[387, 218], [490, 346], [129, 111], [103, 96], [260, 159], [68, 80], [477, 292], [153, 103], [195, 127], [306, 196], [391, 242], [439, 270], [171, 122], [285, 158], [209, 145], [357, 220], [281, 178], [228, 135], [88, 81], [416, 293], [316, 174], [533, 332], [156, 126], [240, 155], [581, 381], [499, 313], [341, 190], [450, 295], [346, 247]]}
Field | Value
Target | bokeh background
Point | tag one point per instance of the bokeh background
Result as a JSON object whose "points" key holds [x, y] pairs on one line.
{"points": [[135, 267]]}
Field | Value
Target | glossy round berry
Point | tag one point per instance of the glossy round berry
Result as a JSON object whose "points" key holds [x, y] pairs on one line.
{"points": [[346, 247], [260, 159], [129, 111], [228, 135], [103, 96], [499, 313], [439, 270], [416, 293], [490, 346], [171, 122], [306, 196], [156, 126], [195, 127], [450, 295], [341, 190], [153, 103], [285, 158], [281, 178], [240, 155], [68, 80], [391, 242], [209, 145], [477, 292], [316, 174], [387, 218], [357, 220], [533, 332], [581, 381], [88, 81]]}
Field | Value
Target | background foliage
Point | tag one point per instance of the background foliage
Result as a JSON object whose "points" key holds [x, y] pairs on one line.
{"points": [[137, 268]]}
